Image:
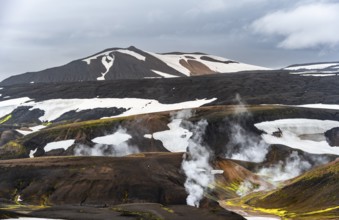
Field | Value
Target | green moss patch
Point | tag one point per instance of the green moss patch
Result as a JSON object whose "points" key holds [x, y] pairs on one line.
{"points": [[6, 118]]}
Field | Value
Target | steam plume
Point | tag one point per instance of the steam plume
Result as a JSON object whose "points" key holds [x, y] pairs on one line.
{"points": [[195, 162], [196, 166], [292, 167], [244, 145]]}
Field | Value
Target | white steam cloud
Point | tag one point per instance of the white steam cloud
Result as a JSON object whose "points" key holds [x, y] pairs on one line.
{"points": [[196, 166], [195, 163], [183, 114], [115, 145], [292, 167], [244, 145]]}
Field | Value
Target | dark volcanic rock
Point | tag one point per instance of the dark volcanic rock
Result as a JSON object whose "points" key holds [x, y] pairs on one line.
{"points": [[276, 87], [90, 114], [24, 115], [8, 135], [280, 154], [332, 137], [257, 87], [83, 187], [130, 211], [94, 180]]}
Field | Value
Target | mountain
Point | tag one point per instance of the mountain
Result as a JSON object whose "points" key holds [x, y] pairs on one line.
{"points": [[132, 63], [259, 143], [315, 69]]}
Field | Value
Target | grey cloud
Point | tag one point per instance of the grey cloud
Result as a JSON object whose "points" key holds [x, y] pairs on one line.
{"points": [[306, 26]]}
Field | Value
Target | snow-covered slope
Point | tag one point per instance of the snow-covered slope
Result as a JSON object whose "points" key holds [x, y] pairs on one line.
{"points": [[315, 69], [304, 134], [133, 63], [55, 108]]}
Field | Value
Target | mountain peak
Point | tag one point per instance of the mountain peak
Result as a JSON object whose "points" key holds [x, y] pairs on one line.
{"points": [[133, 63]]}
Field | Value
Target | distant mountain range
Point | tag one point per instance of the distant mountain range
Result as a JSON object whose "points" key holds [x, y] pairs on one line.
{"points": [[315, 69], [133, 63]]}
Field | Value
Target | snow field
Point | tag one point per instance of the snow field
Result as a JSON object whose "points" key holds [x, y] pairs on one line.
{"points": [[312, 66], [54, 108], [294, 129], [175, 139]]}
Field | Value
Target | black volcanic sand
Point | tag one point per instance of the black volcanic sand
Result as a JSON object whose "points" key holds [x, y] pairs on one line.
{"points": [[257, 87], [146, 211], [94, 180], [95, 188]]}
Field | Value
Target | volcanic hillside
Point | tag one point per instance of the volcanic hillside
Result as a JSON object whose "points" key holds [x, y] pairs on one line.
{"points": [[132, 63], [35, 103]]}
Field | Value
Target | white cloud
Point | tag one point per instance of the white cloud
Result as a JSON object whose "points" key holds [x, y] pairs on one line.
{"points": [[307, 26]]}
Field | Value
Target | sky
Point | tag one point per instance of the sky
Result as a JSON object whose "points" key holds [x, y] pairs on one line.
{"points": [[39, 34]]}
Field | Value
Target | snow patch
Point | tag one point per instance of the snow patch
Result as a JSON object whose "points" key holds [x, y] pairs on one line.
{"points": [[176, 139], [54, 108], [321, 106], [165, 75], [299, 126], [319, 75], [108, 62], [173, 60], [59, 144], [152, 106], [88, 60], [214, 172], [294, 129], [312, 66], [129, 52], [148, 136], [132, 53], [229, 67], [19, 199], [32, 152], [114, 139], [7, 106], [110, 145], [31, 129]]}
